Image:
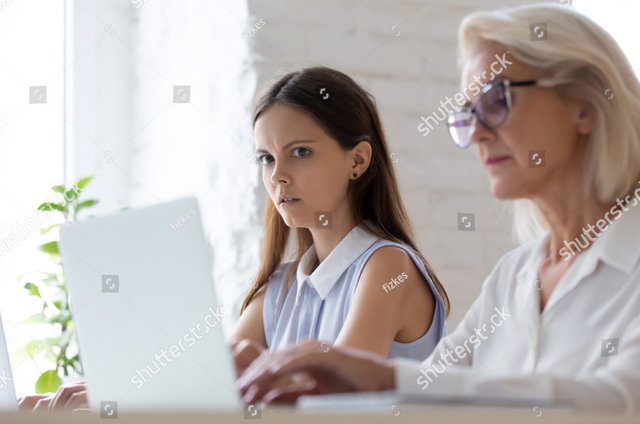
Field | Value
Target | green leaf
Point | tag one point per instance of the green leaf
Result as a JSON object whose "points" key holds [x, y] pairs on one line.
{"points": [[82, 182], [86, 204], [59, 300], [33, 290], [71, 194], [50, 248], [48, 382], [52, 342], [38, 318], [36, 347], [58, 188], [65, 337], [60, 318], [50, 206], [35, 275], [45, 230], [31, 350]]}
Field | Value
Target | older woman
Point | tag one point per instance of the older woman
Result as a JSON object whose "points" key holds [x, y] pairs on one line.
{"points": [[557, 128]]}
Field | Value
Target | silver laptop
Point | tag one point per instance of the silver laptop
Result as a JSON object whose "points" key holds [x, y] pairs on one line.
{"points": [[148, 323], [8, 401]]}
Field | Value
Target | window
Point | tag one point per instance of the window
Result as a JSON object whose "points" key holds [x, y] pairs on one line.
{"points": [[619, 18], [31, 154]]}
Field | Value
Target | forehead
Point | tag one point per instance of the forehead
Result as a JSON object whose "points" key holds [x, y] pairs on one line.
{"points": [[492, 61], [283, 123], [282, 118]]}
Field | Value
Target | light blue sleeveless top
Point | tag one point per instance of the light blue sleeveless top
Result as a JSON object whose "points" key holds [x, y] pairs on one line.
{"points": [[315, 306]]}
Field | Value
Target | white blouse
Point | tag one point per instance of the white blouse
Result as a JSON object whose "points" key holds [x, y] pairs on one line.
{"points": [[583, 349]]}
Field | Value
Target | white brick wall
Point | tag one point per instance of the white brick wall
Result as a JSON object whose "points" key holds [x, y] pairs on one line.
{"points": [[404, 53]]}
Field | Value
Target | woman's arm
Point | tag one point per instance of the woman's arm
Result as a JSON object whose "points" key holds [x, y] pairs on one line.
{"points": [[345, 368], [250, 325], [332, 370], [392, 301]]}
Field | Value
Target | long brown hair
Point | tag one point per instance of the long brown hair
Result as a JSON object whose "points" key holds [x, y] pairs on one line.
{"points": [[349, 115]]}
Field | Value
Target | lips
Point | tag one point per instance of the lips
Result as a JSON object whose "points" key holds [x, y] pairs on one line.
{"points": [[286, 199], [492, 160]]}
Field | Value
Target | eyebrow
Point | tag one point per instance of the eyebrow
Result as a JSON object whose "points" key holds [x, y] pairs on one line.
{"points": [[286, 146]]}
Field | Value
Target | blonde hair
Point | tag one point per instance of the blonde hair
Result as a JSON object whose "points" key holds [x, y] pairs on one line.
{"points": [[588, 65]]}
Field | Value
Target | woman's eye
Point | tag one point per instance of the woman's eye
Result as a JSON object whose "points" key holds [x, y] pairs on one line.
{"points": [[301, 152], [264, 159]]}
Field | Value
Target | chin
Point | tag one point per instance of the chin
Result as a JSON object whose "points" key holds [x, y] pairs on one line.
{"points": [[292, 222], [505, 191]]}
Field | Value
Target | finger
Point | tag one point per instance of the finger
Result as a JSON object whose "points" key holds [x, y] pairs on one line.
{"points": [[27, 403], [64, 393], [43, 404], [268, 378], [339, 368], [76, 401], [266, 359], [256, 366], [294, 361], [244, 353], [290, 394]]}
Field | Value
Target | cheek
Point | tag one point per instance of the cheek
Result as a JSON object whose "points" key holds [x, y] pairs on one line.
{"points": [[546, 131], [266, 182], [324, 185]]}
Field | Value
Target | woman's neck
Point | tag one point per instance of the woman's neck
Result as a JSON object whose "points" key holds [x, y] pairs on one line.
{"points": [[326, 239], [571, 216]]}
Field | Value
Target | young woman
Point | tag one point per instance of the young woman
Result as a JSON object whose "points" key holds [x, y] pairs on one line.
{"points": [[558, 318], [357, 278]]}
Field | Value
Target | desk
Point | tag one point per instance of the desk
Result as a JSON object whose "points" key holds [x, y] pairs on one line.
{"points": [[280, 415]]}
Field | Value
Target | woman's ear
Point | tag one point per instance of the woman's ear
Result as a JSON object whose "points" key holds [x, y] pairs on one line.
{"points": [[360, 159], [585, 118]]}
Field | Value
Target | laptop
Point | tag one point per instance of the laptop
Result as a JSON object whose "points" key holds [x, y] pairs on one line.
{"points": [[8, 400], [143, 301]]}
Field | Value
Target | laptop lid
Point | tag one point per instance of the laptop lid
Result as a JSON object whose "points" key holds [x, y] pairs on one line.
{"points": [[8, 401], [143, 301]]}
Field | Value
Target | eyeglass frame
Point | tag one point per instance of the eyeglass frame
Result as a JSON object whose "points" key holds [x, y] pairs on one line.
{"points": [[506, 84]]}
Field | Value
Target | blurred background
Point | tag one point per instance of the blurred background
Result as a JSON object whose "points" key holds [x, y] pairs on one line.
{"points": [[153, 98]]}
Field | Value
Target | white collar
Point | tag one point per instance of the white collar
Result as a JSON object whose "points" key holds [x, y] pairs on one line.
{"points": [[619, 244], [324, 277]]}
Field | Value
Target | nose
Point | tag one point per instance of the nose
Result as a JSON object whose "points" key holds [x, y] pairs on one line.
{"points": [[479, 133], [279, 175]]}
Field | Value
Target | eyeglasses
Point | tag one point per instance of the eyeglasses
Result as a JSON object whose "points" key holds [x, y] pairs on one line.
{"points": [[491, 109]]}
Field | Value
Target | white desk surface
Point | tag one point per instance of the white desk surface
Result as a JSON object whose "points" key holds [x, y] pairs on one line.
{"points": [[282, 415]]}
